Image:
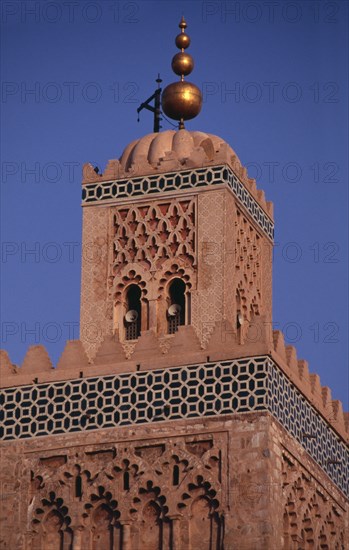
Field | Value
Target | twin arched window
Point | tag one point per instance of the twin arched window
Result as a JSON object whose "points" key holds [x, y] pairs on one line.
{"points": [[176, 311], [133, 318], [176, 315]]}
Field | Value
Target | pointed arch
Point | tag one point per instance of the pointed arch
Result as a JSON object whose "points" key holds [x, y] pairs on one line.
{"points": [[202, 509], [103, 513], [133, 303], [51, 524], [176, 297]]}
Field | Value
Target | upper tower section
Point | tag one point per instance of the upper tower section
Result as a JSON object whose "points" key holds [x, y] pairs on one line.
{"points": [[175, 221], [176, 238]]}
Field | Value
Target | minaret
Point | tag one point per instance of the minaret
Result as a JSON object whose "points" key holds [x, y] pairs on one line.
{"points": [[179, 420]]}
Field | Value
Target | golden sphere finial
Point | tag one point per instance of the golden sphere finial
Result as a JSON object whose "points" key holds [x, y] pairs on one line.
{"points": [[182, 24], [182, 64], [182, 100], [182, 41]]}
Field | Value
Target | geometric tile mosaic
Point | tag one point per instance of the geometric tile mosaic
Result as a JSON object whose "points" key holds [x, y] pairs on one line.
{"points": [[208, 389], [178, 181]]}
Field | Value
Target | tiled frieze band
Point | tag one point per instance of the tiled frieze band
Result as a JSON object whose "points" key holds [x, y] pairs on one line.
{"points": [[210, 389], [308, 427], [134, 398], [97, 193]]}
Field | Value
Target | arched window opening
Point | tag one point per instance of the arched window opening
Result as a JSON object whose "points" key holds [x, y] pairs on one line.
{"points": [[176, 311], [133, 312], [78, 487], [126, 481], [239, 314], [175, 476]]}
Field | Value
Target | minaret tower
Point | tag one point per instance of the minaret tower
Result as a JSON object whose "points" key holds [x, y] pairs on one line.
{"points": [[179, 420]]}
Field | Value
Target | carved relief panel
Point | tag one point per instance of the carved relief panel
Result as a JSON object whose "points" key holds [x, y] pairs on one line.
{"points": [[146, 495], [247, 266], [312, 517], [151, 244], [153, 233]]}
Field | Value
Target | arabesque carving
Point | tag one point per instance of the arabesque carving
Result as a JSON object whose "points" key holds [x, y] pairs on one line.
{"points": [[247, 268], [151, 234], [139, 496], [312, 519]]}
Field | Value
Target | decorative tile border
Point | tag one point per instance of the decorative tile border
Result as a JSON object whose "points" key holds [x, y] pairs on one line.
{"points": [[210, 389], [306, 425], [134, 398], [97, 193]]}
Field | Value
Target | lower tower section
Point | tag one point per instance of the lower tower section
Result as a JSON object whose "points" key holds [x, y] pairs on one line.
{"points": [[204, 456]]}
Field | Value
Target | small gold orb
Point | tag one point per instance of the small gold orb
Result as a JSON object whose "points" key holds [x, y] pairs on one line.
{"points": [[181, 100], [182, 63], [182, 23], [182, 41]]}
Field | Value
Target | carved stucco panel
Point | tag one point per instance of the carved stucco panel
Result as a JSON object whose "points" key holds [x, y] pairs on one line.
{"points": [[95, 317], [207, 301]]}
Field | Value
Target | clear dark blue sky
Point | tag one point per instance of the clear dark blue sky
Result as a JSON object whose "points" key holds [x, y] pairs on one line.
{"points": [[275, 83]]}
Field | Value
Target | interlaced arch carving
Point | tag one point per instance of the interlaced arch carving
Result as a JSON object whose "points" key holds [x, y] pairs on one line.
{"points": [[247, 267], [311, 518], [174, 271], [128, 490], [153, 233], [51, 524], [129, 278], [197, 489], [103, 514], [202, 508], [149, 512]]}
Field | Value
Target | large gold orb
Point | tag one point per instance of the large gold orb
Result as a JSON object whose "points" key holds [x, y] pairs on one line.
{"points": [[182, 64], [182, 41], [181, 100]]}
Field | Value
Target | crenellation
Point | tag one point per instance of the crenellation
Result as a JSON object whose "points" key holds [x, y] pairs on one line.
{"points": [[270, 208], [308, 383], [327, 404], [338, 415], [261, 196], [110, 351], [346, 420], [36, 360], [303, 371], [279, 344], [7, 368], [316, 390], [73, 356], [146, 350], [183, 343], [292, 360]]}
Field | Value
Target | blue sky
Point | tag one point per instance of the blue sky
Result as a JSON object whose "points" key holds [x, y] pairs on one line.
{"points": [[274, 78]]}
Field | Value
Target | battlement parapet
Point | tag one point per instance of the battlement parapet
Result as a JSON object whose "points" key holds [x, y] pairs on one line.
{"points": [[115, 357]]}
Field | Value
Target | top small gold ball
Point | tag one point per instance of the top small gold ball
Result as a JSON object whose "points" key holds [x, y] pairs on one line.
{"points": [[182, 24], [182, 41]]}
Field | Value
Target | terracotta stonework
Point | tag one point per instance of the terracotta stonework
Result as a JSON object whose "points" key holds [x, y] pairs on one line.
{"points": [[199, 430]]}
